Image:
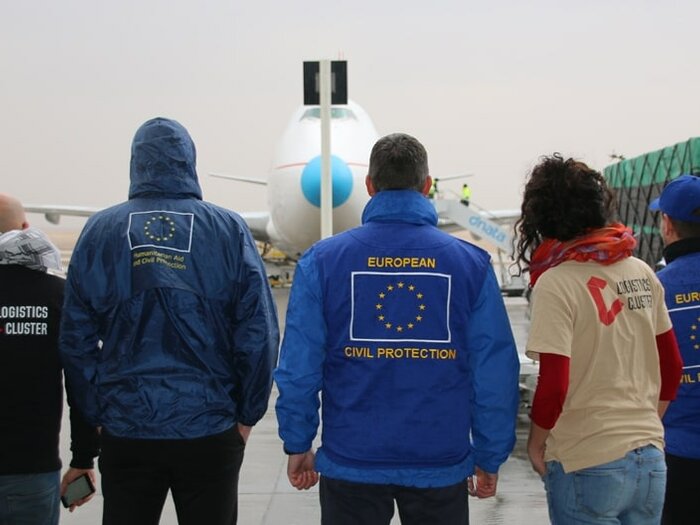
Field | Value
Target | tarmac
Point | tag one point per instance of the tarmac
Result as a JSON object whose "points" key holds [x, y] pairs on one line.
{"points": [[266, 498]]}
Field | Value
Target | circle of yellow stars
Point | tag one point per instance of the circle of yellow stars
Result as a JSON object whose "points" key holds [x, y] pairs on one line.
{"points": [[693, 337], [392, 289], [168, 228]]}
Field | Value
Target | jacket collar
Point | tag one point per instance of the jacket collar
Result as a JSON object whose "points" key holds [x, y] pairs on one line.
{"points": [[681, 247], [406, 206]]}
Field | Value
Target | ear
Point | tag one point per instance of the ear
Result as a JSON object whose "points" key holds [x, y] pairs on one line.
{"points": [[668, 232], [25, 225], [427, 186], [370, 187]]}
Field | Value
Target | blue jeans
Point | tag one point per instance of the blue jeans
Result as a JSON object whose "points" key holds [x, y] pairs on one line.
{"points": [[627, 491], [30, 499]]}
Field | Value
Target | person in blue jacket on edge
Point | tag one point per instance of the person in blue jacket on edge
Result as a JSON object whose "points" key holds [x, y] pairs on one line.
{"points": [[403, 330], [679, 205], [169, 337]]}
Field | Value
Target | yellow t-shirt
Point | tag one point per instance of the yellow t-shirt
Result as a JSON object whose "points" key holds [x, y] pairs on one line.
{"points": [[605, 319]]}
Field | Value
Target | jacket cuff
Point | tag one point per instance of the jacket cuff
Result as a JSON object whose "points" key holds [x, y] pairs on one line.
{"points": [[292, 451], [83, 463]]}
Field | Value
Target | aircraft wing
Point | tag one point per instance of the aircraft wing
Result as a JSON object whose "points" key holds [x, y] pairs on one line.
{"points": [[53, 213], [257, 223], [249, 180]]}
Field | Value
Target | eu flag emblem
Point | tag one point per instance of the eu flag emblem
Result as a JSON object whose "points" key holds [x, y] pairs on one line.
{"points": [[167, 230], [400, 307]]}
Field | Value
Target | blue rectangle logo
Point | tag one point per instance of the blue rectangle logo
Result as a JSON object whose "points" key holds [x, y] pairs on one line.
{"points": [[167, 230], [389, 306]]}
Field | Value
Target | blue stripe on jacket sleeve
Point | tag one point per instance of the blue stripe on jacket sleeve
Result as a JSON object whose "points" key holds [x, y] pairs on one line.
{"points": [[256, 336], [299, 374], [496, 367]]}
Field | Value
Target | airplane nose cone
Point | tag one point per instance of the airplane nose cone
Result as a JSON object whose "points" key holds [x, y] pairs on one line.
{"points": [[311, 181]]}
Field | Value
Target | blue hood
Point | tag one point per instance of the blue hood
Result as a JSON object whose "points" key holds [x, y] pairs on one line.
{"points": [[400, 206], [163, 161]]}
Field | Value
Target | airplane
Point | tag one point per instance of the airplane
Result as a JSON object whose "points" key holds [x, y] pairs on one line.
{"points": [[293, 220]]}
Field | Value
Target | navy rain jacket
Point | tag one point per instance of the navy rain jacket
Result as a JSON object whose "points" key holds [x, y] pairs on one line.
{"points": [[169, 328]]}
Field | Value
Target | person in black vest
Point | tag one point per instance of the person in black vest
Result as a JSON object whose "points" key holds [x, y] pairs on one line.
{"points": [[31, 385]]}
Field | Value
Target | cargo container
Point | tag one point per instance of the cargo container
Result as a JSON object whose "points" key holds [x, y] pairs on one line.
{"points": [[639, 180]]}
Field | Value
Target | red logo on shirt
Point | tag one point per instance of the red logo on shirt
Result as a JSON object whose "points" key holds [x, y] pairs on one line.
{"points": [[606, 316]]}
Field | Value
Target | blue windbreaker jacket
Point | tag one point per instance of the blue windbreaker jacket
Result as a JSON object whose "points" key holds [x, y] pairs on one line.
{"points": [[169, 329], [403, 330], [681, 280]]}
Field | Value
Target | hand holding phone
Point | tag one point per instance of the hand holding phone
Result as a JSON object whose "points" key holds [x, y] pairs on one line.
{"points": [[78, 489]]}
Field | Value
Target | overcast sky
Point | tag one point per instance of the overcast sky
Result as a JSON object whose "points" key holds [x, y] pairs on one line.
{"points": [[487, 86]]}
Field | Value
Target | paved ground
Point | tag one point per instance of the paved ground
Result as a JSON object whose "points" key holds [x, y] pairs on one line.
{"points": [[267, 499]]}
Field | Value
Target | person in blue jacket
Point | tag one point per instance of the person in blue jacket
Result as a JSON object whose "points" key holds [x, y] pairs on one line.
{"points": [[169, 337], [403, 331], [679, 204]]}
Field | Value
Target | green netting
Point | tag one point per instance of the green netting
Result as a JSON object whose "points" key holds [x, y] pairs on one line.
{"points": [[638, 181]]}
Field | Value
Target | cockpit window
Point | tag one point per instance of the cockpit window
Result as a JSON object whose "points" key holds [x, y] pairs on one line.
{"points": [[336, 113]]}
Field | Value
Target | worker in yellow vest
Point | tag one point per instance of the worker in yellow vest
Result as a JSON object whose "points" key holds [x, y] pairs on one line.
{"points": [[466, 194], [433, 189]]}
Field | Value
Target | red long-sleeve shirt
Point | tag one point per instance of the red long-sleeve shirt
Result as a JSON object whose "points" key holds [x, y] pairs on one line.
{"points": [[553, 380]]}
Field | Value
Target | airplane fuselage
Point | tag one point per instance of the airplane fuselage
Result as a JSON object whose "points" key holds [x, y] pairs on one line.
{"points": [[294, 180]]}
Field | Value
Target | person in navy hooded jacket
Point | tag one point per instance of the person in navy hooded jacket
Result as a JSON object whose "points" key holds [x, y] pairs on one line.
{"points": [[403, 331], [169, 336]]}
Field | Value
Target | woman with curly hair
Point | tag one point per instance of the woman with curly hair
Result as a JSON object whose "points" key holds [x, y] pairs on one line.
{"points": [[609, 361]]}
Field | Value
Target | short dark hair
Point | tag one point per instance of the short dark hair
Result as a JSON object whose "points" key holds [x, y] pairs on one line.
{"points": [[563, 199], [398, 162]]}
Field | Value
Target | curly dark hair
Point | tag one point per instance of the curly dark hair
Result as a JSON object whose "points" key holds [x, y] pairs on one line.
{"points": [[563, 199]]}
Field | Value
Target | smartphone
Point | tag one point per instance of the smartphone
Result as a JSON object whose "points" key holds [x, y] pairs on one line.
{"points": [[77, 490]]}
